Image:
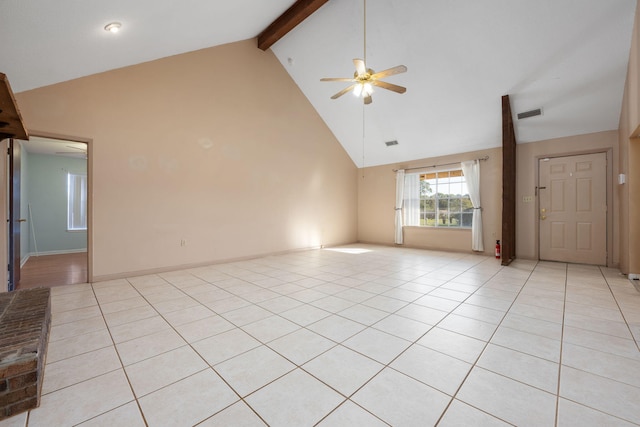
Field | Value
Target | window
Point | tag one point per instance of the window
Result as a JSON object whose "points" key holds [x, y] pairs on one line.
{"points": [[76, 202], [438, 199]]}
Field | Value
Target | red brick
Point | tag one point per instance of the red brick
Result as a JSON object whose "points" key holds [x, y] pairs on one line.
{"points": [[19, 368], [23, 380], [19, 407], [13, 396], [25, 320]]}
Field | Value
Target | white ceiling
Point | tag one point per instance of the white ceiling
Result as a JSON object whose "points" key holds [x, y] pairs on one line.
{"points": [[568, 57], [55, 147]]}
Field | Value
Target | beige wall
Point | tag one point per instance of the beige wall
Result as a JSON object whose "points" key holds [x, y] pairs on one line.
{"points": [[629, 193], [376, 197], [217, 147], [203, 148], [376, 203], [527, 172]]}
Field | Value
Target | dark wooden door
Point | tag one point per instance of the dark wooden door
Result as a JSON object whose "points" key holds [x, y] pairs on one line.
{"points": [[15, 221]]}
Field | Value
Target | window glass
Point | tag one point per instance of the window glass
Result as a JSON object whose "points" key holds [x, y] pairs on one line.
{"points": [[76, 202], [444, 200]]}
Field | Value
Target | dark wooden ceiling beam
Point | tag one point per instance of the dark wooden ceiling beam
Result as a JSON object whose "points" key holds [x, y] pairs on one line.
{"points": [[11, 124], [508, 183], [286, 22]]}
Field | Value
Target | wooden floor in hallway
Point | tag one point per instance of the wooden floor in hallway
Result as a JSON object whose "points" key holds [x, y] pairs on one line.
{"points": [[54, 270]]}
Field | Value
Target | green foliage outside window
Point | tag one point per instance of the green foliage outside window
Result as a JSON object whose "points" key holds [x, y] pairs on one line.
{"points": [[444, 200]]}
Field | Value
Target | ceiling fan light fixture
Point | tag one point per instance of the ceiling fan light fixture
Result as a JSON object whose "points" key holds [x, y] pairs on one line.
{"points": [[362, 90], [113, 27], [367, 89], [364, 79]]}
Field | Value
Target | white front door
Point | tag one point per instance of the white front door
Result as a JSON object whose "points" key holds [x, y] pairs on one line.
{"points": [[573, 209]]}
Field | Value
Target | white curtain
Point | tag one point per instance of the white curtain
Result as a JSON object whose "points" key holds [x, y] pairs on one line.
{"points": [[471, 171], [412, 199], [399, 200]]}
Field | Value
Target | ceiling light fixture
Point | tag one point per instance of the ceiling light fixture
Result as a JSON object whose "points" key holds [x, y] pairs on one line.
{"points": [[113, 27], [363, 89], [364, 79]]}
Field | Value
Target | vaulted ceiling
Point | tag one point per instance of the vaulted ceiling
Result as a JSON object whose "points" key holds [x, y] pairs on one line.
{"points": [[567, 57]]}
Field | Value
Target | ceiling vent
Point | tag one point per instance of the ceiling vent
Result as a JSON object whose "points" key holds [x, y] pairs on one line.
{"points": [[390, 143], [531, 113]]}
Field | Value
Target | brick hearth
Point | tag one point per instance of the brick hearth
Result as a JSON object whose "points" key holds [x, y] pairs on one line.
{"points": [[25, 318]]}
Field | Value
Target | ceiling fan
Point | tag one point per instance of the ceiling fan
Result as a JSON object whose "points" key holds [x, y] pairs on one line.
{"points": [[82, 152], [364, 79]]}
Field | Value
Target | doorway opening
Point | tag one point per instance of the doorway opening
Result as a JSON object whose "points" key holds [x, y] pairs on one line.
{"points": [[52, 213]]}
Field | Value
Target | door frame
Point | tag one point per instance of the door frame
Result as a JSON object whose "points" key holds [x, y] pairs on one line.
{"points": [[4, 205], [609, 197]]}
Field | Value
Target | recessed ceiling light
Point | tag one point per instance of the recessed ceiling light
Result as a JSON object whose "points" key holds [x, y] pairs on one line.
{"points": [[113, 27]]}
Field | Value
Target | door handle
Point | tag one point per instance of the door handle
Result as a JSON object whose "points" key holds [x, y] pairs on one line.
{"points": [[543, 217], [543, 211], [21, 220]]}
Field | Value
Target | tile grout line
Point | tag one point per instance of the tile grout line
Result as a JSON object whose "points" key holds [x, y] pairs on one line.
{"points": [[473, 366], [175, 284], [241, 398], [463, 301], [170, 327], [387, 365], [91, 378], [348, 398], [181, 290], [581, 370], [115, 348], [187, 343], [415, 341], [236, 326], [564, 306], [121, 367], [613, 295]]}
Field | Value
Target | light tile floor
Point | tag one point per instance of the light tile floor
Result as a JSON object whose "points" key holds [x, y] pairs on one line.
{"points": [[356, 336]]}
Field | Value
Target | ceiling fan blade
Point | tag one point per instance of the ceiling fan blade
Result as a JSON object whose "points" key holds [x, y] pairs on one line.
{"points": [[390, 72], [71, 154], [336, 79], [368, 100], [76, 148], [343, 91], [389, 86], [360, 66]]}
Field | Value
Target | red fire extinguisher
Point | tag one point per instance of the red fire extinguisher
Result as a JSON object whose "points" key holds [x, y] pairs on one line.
{"points": [[497, 249]]}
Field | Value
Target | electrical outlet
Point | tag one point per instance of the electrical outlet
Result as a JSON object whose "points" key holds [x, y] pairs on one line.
{"points": [[183, 242], [527, 199]]}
